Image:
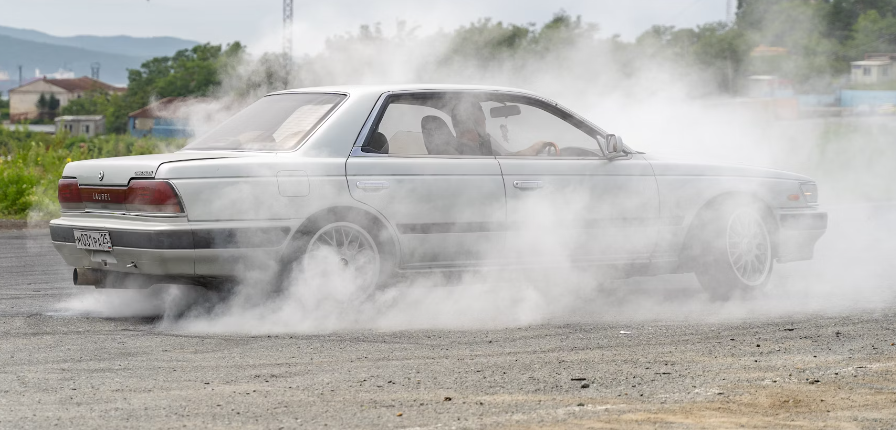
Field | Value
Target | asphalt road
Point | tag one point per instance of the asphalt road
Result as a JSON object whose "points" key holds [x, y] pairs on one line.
{"points": [[819, 351]]}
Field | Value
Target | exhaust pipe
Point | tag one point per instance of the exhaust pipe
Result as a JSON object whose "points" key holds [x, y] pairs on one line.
{"points": [[89, 277]]}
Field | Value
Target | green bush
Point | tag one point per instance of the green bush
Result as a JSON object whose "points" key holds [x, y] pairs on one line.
{"points": [[17, 186], [31, 164]]}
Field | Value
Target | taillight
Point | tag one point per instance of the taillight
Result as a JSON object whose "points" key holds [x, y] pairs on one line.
{"points": [[152, 196], [69, 195]]}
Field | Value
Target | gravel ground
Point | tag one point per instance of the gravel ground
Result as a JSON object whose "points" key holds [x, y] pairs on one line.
{"points": [[822, 366]]}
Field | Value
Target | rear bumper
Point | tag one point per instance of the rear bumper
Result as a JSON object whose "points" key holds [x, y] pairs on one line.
{"points": [[183, 249], [799, 231]]}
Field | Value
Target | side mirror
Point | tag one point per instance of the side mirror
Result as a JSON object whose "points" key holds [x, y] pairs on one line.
{"points": [[615, 147]]}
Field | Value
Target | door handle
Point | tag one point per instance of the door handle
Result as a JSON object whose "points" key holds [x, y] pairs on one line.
{"points": [[372, 185], [528, 185]]}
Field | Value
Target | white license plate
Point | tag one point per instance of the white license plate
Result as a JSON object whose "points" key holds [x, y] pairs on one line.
{"points": [[95, 240]]}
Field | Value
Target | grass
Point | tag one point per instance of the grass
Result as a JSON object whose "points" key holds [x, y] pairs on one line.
{"points": [[31, 164]]}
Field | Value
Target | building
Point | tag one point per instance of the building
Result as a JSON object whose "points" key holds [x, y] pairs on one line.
{"points": [[168, 118], [874, 69], [81, 125], [23, 99]]}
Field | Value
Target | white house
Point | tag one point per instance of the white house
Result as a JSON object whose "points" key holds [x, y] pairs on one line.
{"points": [[873, 69], [81, 125]]}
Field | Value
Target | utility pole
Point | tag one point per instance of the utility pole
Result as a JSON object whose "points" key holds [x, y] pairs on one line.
{"points": [[287, 39], [730, 10], [95, 71], [287, 27]]}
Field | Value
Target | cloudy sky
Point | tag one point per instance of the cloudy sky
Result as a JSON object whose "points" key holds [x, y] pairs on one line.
{"points": [[258, 22]]}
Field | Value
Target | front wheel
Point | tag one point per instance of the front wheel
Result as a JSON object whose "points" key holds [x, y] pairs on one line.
{"points": [[735, 255]]}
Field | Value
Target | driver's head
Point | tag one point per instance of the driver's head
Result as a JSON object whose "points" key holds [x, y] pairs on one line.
{"points": [[468, 120]]}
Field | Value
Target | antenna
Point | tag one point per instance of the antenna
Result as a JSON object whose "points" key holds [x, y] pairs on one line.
{"points": [[95, 71], [20, 75]]}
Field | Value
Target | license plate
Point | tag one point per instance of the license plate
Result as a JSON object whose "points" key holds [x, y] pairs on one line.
{"points": [[94, 240]]}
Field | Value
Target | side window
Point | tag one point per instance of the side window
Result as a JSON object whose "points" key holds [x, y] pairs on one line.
{"points": [[516, 133], [400, 132]]}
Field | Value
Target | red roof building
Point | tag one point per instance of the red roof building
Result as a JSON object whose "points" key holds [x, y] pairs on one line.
{"points": [[23, 99]]}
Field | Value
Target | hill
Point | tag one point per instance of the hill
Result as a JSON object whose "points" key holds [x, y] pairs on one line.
{"points": [[49, 58], [146, 47]]}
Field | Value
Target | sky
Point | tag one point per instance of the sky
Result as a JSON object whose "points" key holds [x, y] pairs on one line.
{"points": [[258, 23]]}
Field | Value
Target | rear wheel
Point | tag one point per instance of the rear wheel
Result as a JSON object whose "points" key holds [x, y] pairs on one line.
{"points": [[345, 260], [735, 252], [346, 250]]}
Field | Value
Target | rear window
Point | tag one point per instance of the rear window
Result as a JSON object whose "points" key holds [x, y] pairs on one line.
{"points": [[274, 123]]}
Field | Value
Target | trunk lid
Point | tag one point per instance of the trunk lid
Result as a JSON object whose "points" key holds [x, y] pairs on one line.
{"points": [[118, 171]]}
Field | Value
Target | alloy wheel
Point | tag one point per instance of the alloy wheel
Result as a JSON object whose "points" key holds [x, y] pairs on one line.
{"points": [[347, 251], [749, 247]]}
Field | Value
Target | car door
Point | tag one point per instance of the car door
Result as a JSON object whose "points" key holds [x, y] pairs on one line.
{"points": [[448, 210], [576, 206]]}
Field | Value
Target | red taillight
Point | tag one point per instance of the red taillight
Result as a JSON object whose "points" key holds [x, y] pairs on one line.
{"points": [[69, 195], [152, 196]]}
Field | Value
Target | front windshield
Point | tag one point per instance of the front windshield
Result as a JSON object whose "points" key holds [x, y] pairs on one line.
{"points": [[274, 123]]}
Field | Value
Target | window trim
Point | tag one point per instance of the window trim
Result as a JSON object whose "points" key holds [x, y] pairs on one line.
{"points": [[549, 106]]}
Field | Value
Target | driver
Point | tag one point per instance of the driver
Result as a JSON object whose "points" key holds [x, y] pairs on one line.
{"points": [[472, 137]]}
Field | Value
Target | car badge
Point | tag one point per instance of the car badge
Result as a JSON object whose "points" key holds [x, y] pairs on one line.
{"points": [[101, 175]]}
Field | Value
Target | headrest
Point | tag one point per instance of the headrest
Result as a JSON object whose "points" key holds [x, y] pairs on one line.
{"points": [[437, 136]]}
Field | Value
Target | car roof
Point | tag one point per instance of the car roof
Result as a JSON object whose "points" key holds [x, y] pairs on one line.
{"points": [[379, 89]]}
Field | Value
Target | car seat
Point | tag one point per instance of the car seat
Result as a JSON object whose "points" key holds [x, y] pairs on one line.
{"points": [[437, 136]]}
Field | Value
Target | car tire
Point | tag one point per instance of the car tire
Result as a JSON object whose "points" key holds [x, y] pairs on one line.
{"points": [[353, 244], [734, 253]]}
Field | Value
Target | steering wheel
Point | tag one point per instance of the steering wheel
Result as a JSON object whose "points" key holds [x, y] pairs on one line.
{"points": [[549, 146]]}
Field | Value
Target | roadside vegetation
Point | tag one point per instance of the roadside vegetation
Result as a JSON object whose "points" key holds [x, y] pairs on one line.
{"points": [[4, 109], [31, 164]]}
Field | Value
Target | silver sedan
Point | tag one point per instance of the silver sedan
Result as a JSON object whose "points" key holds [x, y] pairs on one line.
{"points": [[374, 181]]}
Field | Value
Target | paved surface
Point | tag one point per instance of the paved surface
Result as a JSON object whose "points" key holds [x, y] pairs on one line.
{"points": [[792, 360]]}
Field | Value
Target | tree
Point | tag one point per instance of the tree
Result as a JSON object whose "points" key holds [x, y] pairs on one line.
{"points": [[872, 33], [99, 102], [52, 103], [188, 73], [42, 103], [46, 107], [722, 51]]}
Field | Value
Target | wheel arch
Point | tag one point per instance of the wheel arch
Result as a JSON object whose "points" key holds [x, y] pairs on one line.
{"points": [[686, 249], [375, 224]]}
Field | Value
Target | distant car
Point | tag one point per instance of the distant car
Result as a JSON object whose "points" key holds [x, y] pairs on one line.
{"points": [[382, 180]]}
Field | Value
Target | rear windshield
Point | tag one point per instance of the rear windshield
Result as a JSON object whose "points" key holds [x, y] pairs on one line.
{"points": [[274, 123]]}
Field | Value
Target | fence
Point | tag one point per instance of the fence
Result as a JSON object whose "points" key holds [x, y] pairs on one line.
{"points": [[872, 99]]}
